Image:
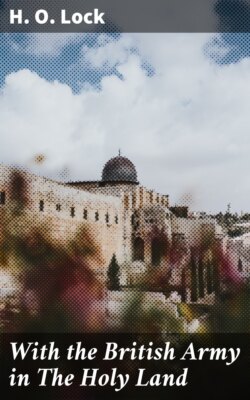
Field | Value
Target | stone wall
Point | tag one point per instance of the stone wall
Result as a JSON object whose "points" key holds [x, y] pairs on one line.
{"points": [[66, 210]]}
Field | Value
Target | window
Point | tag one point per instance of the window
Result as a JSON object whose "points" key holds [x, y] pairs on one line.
{"points": [[85, 214], [41, 205], [116, 219], [2, 197], [141, 197], [126, 201], [72, 212], [133, 200], [138, 249], [133, 219], [58, 207], [97, 216], [107, 218]]}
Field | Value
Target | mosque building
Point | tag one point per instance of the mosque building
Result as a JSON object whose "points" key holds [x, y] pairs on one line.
{"points": [[127, 219]]}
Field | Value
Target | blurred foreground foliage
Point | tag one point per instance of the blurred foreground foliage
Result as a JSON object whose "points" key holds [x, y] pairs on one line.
{"points": [[57, 290]]}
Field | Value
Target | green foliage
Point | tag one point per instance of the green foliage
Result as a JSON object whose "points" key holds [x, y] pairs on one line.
{"points": [[140, 314]]}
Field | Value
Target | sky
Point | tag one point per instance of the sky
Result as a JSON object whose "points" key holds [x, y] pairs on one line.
{"points": [[177, 105]]}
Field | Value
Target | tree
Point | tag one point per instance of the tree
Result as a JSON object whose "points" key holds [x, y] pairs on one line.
{"points": [[113, 274]]}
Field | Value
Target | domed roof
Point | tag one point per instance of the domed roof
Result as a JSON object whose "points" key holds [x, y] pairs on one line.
{"points": [[119, 169]]}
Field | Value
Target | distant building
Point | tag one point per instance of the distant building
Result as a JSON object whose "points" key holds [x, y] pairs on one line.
{"points": [[238, 249]]}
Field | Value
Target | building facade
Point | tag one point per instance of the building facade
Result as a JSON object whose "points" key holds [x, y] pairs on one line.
{"points": [[134, 223]]}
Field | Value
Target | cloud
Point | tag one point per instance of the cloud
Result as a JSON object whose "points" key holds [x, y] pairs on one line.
{"points": [[43, 44], [186, 127], [108, 52]]}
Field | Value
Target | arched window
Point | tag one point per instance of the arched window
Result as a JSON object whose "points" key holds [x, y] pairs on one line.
{"points": [[133, 219], [158, 250], [85, 214], [2, 197], [133, 200], [209, 278], [41, 205], [138, 249], [194, 286], [201, 283]]}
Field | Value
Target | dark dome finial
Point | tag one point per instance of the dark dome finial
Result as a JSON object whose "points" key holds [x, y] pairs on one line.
{"points": [[119, 169]]}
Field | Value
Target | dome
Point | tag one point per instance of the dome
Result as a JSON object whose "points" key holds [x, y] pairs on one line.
{"points": [[119, 169]]}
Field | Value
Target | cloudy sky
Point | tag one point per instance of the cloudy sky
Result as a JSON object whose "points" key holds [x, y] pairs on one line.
{"points": [[178, 105]]}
